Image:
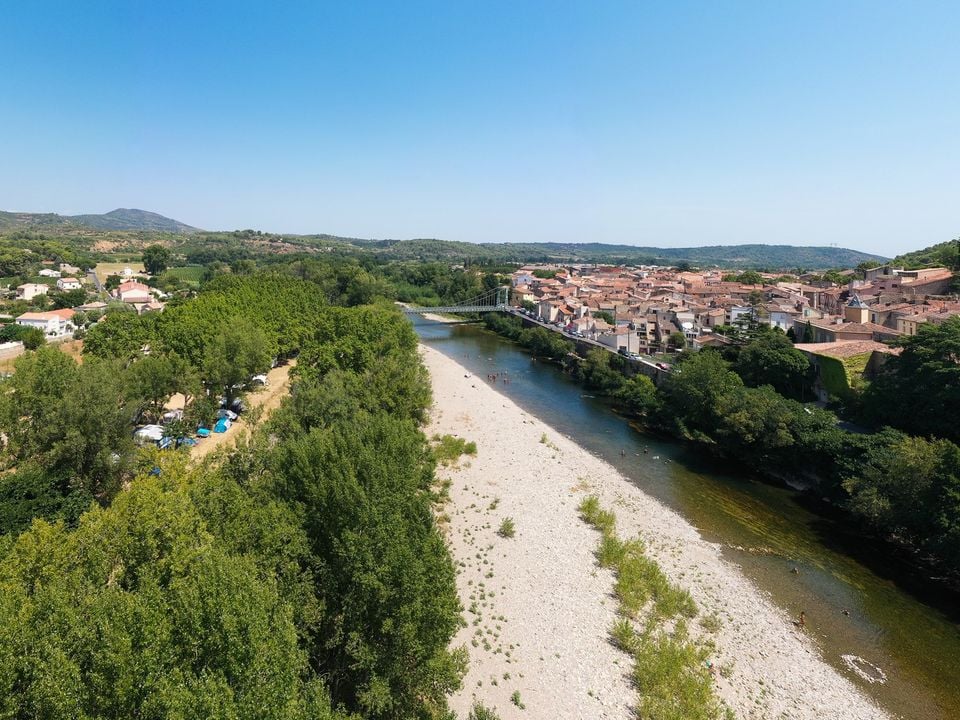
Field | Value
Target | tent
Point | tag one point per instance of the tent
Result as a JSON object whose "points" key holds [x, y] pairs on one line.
{"points": [[223, 424], [149, 434]]}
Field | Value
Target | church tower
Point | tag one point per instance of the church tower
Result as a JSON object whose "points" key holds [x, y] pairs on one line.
{"points": [[856, 311]]}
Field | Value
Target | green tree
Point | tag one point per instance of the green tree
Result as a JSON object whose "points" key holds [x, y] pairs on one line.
{"points": [[770, 359], [32, 338], [120, 335], [154, 378], [924, 379], [68, 298], [387, 581], [638, 395], [693, 396], [156, 259], [597, 374], [911, 489], [677, 340], [74, 422], [236, 354], [143, 612]]}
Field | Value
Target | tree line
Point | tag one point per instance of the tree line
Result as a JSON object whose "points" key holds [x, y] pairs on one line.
{"points": [[901, 480], [301, 576]]}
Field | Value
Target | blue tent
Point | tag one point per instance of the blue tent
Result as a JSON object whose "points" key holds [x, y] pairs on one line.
{"points": [[222, 425]]}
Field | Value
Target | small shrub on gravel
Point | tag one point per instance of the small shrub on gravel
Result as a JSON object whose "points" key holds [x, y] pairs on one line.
{"points": [[480, 712], [507, 528]]}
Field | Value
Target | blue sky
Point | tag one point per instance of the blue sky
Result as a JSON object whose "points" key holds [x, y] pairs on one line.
{"points": [[667, 123]]}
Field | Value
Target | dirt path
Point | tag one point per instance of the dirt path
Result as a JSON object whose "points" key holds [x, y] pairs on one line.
{"points": [[267, 399]]}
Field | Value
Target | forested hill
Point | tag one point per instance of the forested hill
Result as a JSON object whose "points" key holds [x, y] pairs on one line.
{"points": [[762, 257], [746, 256], [119, 219], [946, 254]]}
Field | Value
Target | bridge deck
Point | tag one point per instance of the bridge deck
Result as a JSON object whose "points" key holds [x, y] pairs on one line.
{"points": [[454, 309]]}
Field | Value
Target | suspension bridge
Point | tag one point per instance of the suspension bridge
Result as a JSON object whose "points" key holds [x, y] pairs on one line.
{"points": [[490, 301]]}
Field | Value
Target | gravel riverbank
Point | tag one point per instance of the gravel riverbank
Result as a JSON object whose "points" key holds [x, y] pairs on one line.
{"points": [[538, 608]]}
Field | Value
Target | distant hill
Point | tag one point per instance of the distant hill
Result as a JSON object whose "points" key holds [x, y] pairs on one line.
{"points": [[761, 257], [119, 219], [773, 257], [946, 254]]}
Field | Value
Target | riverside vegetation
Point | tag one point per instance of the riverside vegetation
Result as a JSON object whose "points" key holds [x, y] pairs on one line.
{"points": [[300, 576], [671, 670], [902, 487]]}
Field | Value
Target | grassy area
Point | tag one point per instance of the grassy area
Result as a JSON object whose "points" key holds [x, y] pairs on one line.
{"points": [[116, 268], [671, 670], [448, 449], [187, 273]]}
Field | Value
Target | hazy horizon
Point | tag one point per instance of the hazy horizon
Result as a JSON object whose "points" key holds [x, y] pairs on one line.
{"points": [[669, 126]]}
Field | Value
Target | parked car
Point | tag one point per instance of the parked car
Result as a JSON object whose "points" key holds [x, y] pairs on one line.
{"points": [[259, 380], [229, 414]]}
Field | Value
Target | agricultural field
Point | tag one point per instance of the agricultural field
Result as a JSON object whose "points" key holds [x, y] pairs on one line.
{"points": [[116, 268], [190, 274]]}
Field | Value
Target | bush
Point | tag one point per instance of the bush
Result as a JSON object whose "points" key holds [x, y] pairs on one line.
{"points": [[507, 529], [32, 338], [449, 448], [480, 712]]}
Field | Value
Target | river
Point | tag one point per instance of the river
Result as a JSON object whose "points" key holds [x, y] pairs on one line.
{"points": [[856, 605]]}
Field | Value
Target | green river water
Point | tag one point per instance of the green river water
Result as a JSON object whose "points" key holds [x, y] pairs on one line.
{"points": [[909, 632]]}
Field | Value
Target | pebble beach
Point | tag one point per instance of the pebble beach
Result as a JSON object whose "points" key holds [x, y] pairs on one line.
{"points": [[537, 606]]}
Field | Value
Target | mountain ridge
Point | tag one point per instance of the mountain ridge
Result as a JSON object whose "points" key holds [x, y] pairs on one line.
{"points": [[754, 256], [118, 219]]}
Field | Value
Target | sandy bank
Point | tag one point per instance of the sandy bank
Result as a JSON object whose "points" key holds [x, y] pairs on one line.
{"points": [[538, 607]]}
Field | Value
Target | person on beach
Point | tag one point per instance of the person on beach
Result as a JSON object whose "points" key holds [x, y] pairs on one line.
{"points": [[801, 622]]}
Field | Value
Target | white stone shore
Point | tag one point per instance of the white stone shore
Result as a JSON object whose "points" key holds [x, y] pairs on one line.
{"points": [[538, 608]]}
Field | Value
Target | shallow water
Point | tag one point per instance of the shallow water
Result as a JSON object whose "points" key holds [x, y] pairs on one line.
{"points": [[912, 635]]}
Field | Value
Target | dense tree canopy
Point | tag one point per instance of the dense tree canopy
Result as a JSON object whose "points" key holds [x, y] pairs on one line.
{"points": [[919, 390], [770, 359], [303, 573], [156, 259]]}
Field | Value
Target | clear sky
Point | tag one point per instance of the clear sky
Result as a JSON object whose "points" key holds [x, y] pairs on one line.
{"points": [[652, 123]]}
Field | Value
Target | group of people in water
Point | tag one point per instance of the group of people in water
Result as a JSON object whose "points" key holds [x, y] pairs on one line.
{"points": [[502, 375]]}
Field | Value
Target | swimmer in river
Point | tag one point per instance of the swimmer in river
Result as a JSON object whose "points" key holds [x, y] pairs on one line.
{"points": [[622, 453]]}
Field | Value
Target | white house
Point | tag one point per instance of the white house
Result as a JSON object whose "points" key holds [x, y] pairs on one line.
{"points": [[68, 283], [28, 291], [53, 323], [47, 272]]}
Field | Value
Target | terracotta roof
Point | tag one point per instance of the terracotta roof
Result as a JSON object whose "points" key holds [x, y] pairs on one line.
{"points": [[846, 348], [64, 314]]}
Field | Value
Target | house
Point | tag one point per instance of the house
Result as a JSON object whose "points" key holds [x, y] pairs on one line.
{"points": [[136, 294], [28, 291], [826, 331], [841, 364], [68, 283], [53, 323], [47, 272]]}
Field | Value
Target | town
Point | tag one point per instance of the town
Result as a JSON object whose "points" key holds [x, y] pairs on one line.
{"points": [[646, 311]]}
